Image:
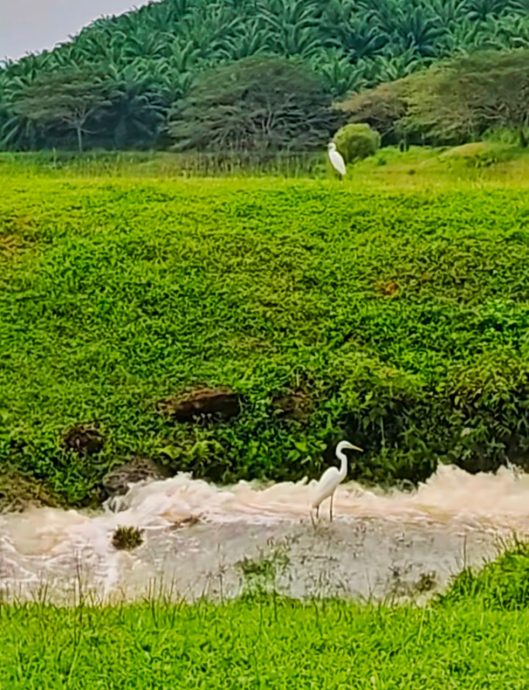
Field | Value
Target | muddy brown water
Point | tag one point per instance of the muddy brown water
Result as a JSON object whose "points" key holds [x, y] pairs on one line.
{"points": [[380, 544]]}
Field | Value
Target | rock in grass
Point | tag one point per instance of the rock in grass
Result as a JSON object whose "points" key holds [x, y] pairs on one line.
{"points": [[127, 538], [221, 403], [18, 493], [117, 482], [295, 404]]}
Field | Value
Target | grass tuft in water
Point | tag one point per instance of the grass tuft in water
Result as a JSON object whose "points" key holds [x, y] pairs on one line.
{"points": [[127, 538]]}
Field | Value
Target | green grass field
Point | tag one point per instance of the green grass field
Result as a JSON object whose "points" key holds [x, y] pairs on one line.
{"points": [[391, 309], [477, 636], [267, 645]]}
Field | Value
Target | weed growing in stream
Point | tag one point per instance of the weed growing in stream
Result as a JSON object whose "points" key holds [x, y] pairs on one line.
{"points": [[127, 538], [260, 574]]}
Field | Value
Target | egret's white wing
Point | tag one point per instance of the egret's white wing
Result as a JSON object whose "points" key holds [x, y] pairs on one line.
{"points": [[337, 162], [327, 484]]}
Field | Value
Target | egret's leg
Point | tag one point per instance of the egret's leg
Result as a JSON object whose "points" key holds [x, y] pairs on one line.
{"points": [[330, 510], [318, 512]]}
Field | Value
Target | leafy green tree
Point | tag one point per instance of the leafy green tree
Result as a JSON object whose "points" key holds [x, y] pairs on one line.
{"points": [[383, 108], [338, 73], [481, 9], [17, 131], [452, 102], [357, 141], [357, 35], [291, 27], [70, 99], [467, 97], [393, 68], [134, 114], [257, 104]]}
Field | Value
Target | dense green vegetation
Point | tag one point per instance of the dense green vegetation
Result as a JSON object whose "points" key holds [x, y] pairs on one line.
{"points": [[145, 62], [457, 101], [478, 641], [501, 585], [392, 310], [255, 106], [356, 141]]}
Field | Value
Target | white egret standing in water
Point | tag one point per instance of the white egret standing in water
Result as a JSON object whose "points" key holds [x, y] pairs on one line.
{"points": [[331, 478], [336, 159]]}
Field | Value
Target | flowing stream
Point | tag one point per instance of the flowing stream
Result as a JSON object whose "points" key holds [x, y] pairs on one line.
{"points": [[200, 539]]}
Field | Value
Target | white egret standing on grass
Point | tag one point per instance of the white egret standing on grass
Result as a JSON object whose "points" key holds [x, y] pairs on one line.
{"points": [[330, 479], [336, 159]]}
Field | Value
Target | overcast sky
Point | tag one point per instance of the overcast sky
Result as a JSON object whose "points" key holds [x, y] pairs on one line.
{"points": [[32, 25]]}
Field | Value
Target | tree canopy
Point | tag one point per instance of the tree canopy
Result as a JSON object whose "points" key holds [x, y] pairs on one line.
{"points": [[452, 102], [152, 56], [68, 99], [470, 96], [256, 104]]}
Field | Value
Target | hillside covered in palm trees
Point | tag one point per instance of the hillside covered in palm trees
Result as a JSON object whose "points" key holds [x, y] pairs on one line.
{"points": [[122, 76]]}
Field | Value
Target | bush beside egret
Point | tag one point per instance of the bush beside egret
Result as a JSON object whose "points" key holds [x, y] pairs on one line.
{"points": [[356, 141]]}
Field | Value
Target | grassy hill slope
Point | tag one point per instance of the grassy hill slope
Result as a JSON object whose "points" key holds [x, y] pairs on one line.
{"points": [[396, 317]]}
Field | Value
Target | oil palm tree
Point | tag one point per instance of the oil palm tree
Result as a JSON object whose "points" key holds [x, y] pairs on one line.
{"points": [[159, 50]]}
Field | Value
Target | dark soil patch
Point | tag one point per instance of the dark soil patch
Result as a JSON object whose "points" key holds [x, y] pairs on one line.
{"points": [[296, 405], [10, 245], [219, 403], [84, 439], [387, 288]]}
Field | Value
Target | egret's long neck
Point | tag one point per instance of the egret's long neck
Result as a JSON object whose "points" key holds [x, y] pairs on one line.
{"points": [[343, 463]]}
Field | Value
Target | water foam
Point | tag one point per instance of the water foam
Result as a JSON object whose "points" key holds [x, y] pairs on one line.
{"points": [[450, 494], [51, 543]]}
